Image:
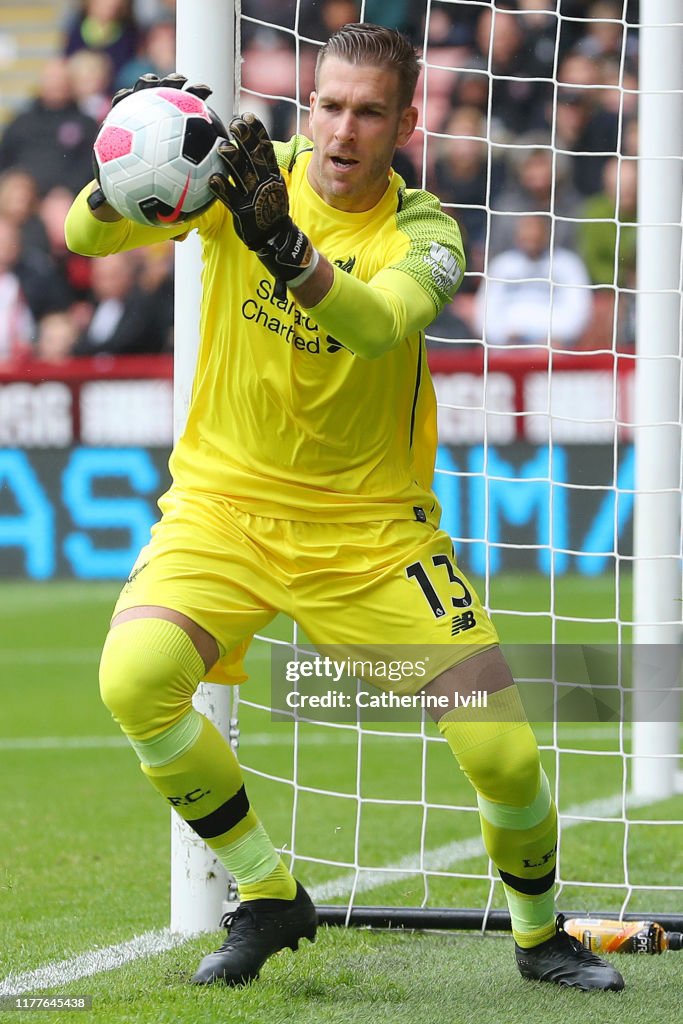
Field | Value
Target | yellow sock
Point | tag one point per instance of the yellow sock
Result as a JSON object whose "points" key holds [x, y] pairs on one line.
{"points": [[204, 785], [498, 752], [149, 671], [278, 885]]}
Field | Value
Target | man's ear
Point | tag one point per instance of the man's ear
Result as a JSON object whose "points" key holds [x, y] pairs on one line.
{"points": [[406, 126], [311, 102]]}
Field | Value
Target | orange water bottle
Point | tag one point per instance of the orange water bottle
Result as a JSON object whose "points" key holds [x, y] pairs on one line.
{"points": [[606, 936]]}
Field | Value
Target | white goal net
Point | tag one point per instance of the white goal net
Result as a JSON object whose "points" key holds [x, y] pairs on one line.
{"points": [[553, 132]]}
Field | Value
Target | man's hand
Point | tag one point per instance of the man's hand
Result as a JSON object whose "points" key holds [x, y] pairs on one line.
{"points": [[172, 81], [255, 193]]}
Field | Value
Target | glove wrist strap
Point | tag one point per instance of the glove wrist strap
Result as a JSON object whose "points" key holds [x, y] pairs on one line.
{"points": [[301, 278]]}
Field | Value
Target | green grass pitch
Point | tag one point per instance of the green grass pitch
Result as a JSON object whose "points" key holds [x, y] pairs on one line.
{"points": [[84, 841]]}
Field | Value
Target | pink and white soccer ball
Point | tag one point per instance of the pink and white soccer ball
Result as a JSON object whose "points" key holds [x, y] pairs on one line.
{"points": [[154, 154]]}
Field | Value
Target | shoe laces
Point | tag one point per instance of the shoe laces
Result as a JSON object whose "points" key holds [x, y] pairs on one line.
{"points": [[233, 920]]}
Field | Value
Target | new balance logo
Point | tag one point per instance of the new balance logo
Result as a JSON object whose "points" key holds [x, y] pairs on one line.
{"points": [[460, 623]]}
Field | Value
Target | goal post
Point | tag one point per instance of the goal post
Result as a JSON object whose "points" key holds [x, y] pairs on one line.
{"points": [[657, 435], [205, 52]]}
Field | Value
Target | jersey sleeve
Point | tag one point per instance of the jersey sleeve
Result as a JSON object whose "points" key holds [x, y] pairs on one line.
{"points": [[434, 256], [86, 235]]}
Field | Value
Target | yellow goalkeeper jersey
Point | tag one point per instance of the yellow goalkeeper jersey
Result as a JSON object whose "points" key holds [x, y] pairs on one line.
{"points": [[320, 414]]}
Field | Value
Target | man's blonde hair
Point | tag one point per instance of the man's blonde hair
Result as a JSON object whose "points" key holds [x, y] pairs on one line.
{"points": [[365, 43]]}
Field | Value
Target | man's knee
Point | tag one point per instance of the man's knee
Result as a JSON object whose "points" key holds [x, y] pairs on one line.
{"points": [[148, 672], [499, 753], [508, 768]]}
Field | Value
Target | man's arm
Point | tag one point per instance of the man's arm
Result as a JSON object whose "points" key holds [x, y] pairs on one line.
{"points": [[368, 319], [102, 231]]}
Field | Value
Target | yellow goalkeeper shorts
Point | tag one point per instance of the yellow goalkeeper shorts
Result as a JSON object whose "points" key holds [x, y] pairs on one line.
{"points": [[381, 585]]}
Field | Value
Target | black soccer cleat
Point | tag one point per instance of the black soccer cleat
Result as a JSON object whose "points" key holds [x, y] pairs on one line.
{"points": [[256, 930], [565, 961]]}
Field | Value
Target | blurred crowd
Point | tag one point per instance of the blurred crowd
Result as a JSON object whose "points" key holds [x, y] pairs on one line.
{"points": [[528, 134]]}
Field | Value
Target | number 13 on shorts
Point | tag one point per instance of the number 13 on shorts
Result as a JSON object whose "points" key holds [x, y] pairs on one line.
{"points": [[448, 595]]}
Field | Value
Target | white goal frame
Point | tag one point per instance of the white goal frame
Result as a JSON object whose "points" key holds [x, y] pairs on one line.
{"points": [[206, 52]]}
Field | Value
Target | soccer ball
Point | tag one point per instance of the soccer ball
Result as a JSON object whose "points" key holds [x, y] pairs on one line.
{"points": [[154, 154]]}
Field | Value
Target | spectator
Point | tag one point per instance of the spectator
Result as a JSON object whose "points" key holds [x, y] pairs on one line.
{"points": [[52, 139], [404, 15], [42, 283], [582, 126], [103, 26], [533, 297], [601, 221], [472, 86], [517, 100], [155, 278], [276, 12], [538, 181], [16, 322], [579, 71], [321, 18], [156, 54], [403, 165], [271, 58], [539, 24], [91, 83], [612, 264], [125, 319], [57, 333], [447, 30], [445, 51], [461, 176], [620, 95], [71, 269], [147, 11], [629, 139], [19, 203], [449, 326], [604, 36]]}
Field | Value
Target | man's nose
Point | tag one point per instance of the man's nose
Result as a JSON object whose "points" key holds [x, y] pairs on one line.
{"points": [[345, 130]]}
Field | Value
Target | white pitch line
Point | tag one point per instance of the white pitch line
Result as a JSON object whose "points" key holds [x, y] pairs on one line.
{"points": [[444, 857], [264, 739], [258, 739], [62, 742], [50, 656], [408, 867], [95, 961]]}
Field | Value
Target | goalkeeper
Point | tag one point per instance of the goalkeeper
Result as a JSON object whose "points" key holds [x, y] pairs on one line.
{"points": [[302, 484]]}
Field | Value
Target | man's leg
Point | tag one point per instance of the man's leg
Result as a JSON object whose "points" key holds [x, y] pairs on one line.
{"points": [[378, 589], [152, 662], [497, 750]]}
